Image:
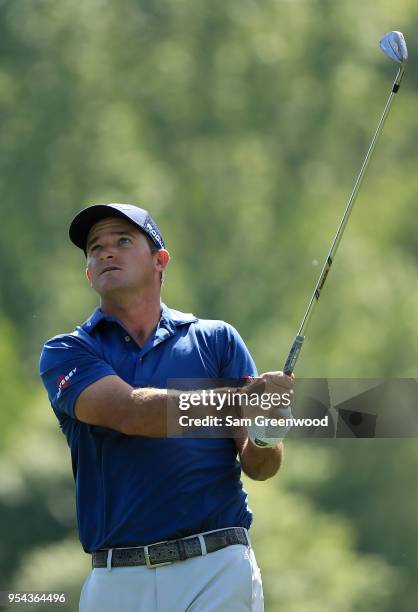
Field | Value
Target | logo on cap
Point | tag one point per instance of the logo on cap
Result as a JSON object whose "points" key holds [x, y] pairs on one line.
{"points": [[155, 234]]}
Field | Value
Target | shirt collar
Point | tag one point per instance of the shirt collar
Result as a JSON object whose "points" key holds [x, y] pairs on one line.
{"points": [[170, 319]]}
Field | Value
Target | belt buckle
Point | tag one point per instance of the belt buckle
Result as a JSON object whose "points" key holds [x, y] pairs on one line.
{"points": [[148, 562]]}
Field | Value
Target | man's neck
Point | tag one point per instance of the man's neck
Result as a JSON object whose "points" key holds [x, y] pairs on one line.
{"points": [[139, 315]]}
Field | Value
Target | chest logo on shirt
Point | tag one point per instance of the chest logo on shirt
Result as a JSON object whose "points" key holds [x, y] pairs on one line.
{"points": [[64, 380]]}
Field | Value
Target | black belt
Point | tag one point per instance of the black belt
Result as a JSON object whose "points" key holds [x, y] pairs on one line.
{"points": [[168, 552]]}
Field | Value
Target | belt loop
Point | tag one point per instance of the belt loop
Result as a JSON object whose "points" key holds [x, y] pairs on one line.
{"points": [[109, 559], [202, 544], [248, 537]]}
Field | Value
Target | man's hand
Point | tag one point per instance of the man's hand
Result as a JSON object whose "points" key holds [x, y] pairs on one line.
{"points": [[270, 382], [275, 392]]}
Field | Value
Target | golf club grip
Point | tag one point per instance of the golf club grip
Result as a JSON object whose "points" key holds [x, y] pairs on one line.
{"points": [[292, 358]]}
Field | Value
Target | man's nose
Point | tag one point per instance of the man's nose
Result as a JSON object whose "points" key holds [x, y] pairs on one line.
{"points": [[107, 252]]}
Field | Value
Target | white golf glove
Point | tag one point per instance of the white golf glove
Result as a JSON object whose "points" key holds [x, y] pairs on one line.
{"points": [[257, 434]]}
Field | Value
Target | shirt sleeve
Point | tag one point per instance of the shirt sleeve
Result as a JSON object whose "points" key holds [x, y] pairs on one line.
{"points": [[236, 361], [68, 365]]}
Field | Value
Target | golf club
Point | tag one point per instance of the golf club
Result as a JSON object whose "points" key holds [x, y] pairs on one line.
{"points": [[394, 46]]}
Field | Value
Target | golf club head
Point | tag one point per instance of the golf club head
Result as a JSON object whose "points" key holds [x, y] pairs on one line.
{"points": [[394, 45]]}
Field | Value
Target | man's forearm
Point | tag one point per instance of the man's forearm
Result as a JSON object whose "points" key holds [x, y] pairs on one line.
{"points": [[260, 463], [152, 409]]}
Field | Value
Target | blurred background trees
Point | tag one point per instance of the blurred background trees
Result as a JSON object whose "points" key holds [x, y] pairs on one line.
{"points": [[241, 126]]}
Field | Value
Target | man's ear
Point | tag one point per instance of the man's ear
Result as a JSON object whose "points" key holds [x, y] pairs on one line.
{"points": [[163, 257], [88, 276]]}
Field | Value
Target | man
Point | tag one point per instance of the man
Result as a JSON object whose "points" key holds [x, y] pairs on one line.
{"points": [[164, 517]]}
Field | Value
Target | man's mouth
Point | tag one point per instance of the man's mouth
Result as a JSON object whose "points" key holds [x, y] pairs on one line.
{"points": [[109, 269]]}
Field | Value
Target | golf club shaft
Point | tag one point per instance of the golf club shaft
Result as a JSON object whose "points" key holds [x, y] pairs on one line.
{"points": [[297, 344]]}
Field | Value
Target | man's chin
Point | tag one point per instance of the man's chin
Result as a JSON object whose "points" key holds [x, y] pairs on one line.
{"points": [[113, 288], [109, 287]]}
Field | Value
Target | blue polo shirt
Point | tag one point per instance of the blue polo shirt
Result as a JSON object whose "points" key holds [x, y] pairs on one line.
{"points": [[135, 490]]}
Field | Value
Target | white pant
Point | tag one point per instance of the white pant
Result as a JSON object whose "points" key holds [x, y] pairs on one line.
{"points": [[227, 580]]}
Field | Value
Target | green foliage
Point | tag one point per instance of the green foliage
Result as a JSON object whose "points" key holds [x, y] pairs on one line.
{"points": [[15, 385], [308, 559], [374, 488], [37, 505], [241, 125]]}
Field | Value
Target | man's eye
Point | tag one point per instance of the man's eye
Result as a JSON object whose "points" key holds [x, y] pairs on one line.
{"points": [[94, 248], [124, 240]]}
